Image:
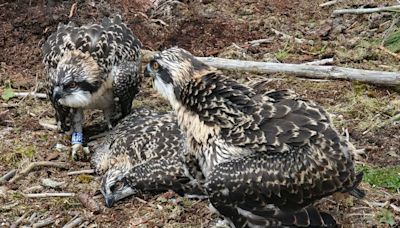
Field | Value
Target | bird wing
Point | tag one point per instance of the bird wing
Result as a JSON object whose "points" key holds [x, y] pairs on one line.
{"points": [[293, 137], [265, 190], [141, 136], [109, 43]]}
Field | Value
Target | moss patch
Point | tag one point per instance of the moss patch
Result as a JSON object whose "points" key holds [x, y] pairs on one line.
{"points": [[388, 177]]}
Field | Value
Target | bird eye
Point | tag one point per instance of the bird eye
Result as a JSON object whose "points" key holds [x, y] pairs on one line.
{"points": [[72, 85], [155, 65], [118, 185]]}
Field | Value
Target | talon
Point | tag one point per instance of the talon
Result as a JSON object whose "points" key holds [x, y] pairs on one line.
{"points": [[76, 150]]}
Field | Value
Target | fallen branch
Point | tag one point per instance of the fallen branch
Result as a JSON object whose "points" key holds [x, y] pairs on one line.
{"points": [[30, 94], [74, 222], [85, 171], [308, 71], [44, 223], [30, 167], [367, 10], [49, 194], [330, 3], [8, 176], [320, 62]]}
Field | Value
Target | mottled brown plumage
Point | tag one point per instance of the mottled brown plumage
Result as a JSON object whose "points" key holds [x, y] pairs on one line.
{"points": [[266, 156], [92, 66], [143, 154]]}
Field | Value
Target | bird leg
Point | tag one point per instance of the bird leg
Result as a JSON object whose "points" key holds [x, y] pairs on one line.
{"points": [[77, 138]]}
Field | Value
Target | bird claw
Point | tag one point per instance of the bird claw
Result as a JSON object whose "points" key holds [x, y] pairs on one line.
{"points": [[79, 152]]}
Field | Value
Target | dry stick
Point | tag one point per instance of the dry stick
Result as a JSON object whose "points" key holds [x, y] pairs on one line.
{"points": [[85, 171], [48, 126], [289, 37], [8, 176], [31, 94], [73, 9], [74, 222], [19, 220], [320, 62], [159, 207], [49, 194], [308, 71], [389, 52], [367, 10], [330, 3], [43, 223], [61, 165]]}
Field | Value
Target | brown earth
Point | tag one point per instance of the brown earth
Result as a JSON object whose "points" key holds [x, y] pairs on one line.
{"points": [[206, 28]]}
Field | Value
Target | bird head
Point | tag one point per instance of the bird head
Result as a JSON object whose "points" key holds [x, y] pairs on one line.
{"points": [[171, 69], [75, 80], [114, 186]]}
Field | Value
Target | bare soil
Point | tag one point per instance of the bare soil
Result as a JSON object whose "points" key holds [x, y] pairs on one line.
{"points": [[206, 28]]}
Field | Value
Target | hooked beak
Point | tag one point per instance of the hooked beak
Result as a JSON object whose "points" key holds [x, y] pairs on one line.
{"points": [[147, 71], [109, 200], [57, 94]]}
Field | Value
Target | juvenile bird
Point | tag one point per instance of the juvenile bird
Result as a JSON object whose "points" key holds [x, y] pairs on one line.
{"points": [[266, 156], [143, 154], [93, 66]]}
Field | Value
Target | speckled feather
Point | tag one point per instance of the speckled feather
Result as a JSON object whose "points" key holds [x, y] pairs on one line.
{"points": [[107, 49], [146, 146], [267, 156]]}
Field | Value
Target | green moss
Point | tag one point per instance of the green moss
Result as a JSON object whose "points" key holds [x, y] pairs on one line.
{"points": [[388, 177], [392, 42], [386, 217], [83, 178]]}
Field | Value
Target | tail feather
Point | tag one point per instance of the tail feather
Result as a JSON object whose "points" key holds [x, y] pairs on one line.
{"points": [[307, 217]]}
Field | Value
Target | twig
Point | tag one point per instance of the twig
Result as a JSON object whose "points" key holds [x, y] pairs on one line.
{"points": [[74, 222], [289, 37], [85, 171], [8, 176], [33, 189], [320, 62], [389, 52], [73, 10], [394, 207], [48, 126], [260, 41], [308, 71], [30, 94], [49, 194], [19, 220], [61, 165], [368, 10], [8, 207], [43, 223], [159, 207], [330, 3]]}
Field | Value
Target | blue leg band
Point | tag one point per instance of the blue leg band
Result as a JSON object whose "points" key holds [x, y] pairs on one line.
{"points": [[77, 138]]}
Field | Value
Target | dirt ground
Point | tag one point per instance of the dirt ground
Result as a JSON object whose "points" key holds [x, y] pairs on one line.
{"points": [[206, 28]]}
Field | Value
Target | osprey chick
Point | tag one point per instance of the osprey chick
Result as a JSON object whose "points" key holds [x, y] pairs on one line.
{"points": [[143, 154], [91, 67], [266, 156]]}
